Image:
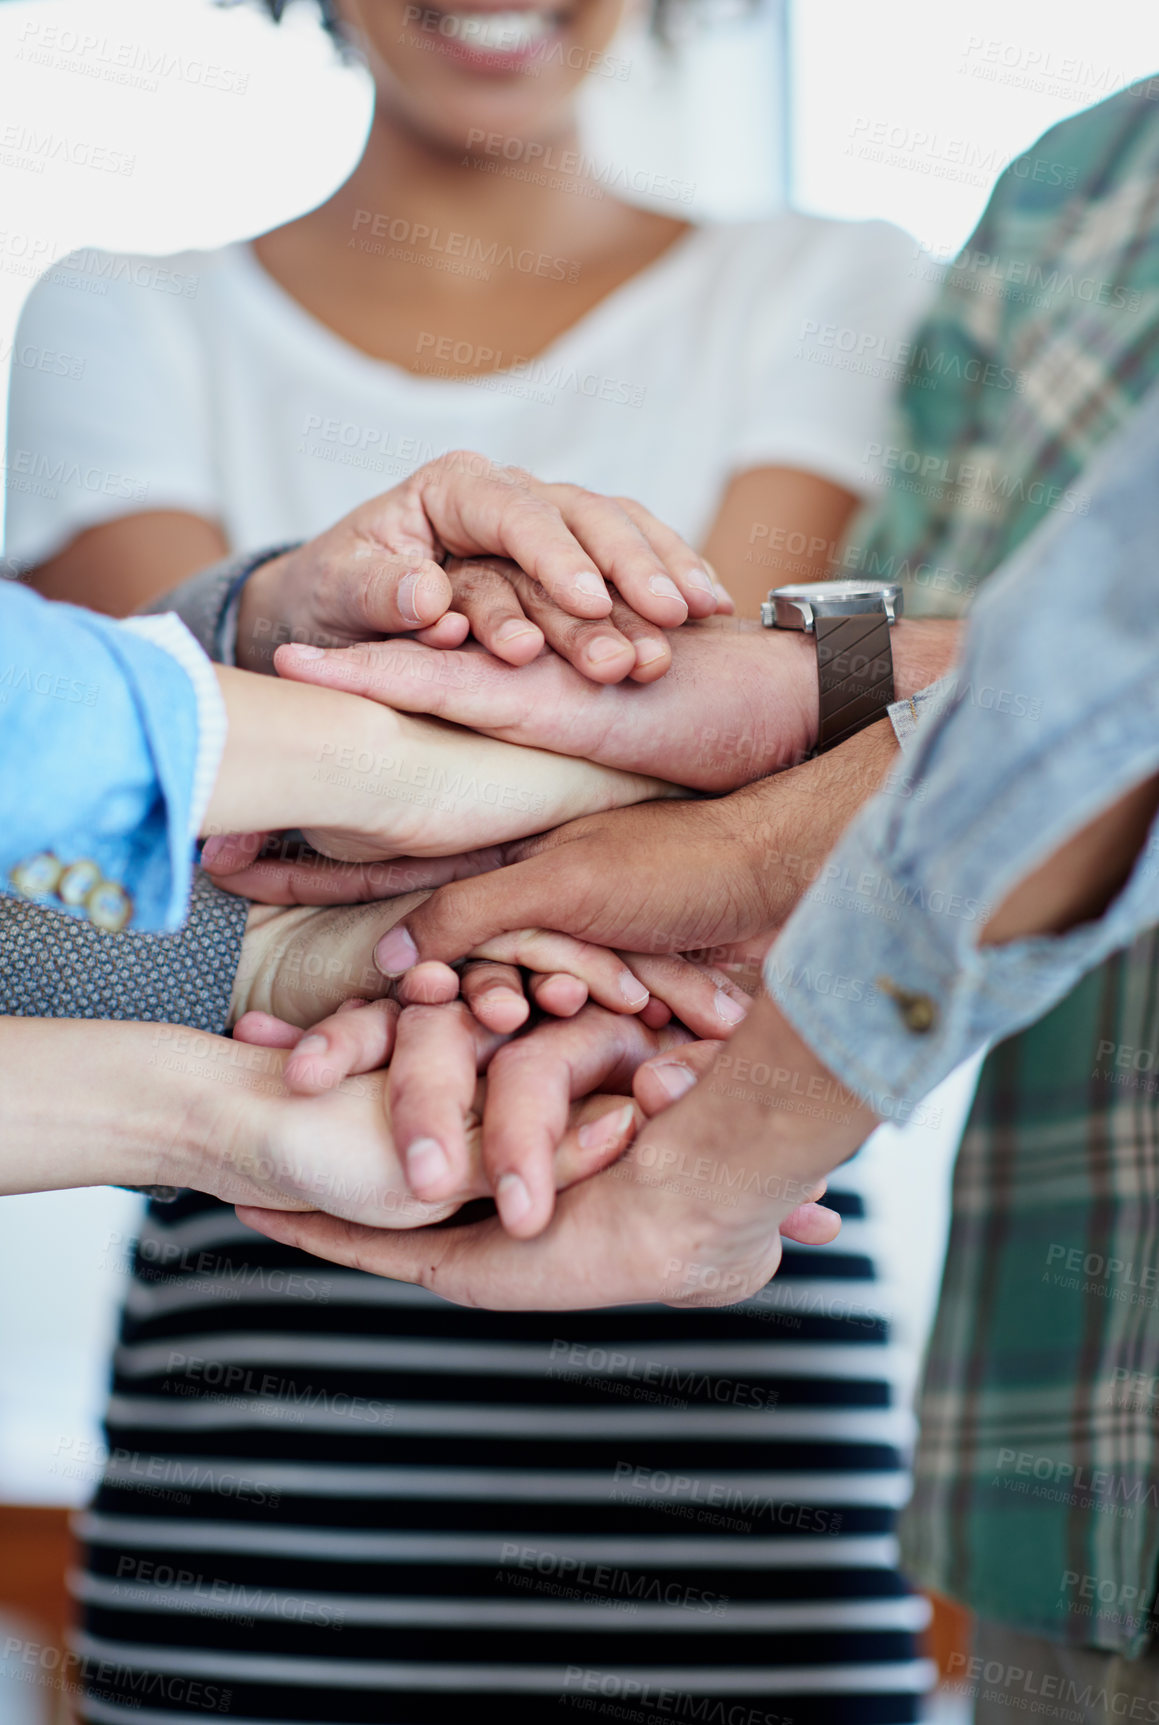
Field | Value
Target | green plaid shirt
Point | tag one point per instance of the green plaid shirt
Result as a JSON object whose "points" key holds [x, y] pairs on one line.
{"points": [[1037, 1477]]}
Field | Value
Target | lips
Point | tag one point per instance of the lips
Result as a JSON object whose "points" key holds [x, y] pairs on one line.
{"points": [[494, 41], [502, 32]]}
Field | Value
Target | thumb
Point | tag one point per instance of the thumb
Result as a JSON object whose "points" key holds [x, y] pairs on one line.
{"points": [[370, 590], [811, 1225], [663, 1080]]}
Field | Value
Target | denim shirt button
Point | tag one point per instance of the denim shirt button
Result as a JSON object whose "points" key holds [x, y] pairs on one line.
{"points": [[918, 1012]]}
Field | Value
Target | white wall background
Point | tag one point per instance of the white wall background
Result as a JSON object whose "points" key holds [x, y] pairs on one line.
{"points": [[893, 112], [908, 109]]}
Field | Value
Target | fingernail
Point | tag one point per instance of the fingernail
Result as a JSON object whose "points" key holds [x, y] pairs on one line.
{"points": [[608, 1129], [306, 652], [701, 580], [647, 652], [591, 585], [407, 599], [426, 1162], [311, 1045], [665, 588], [512, 1199], [603, 648], [395, 952], [511, 631], [729, 1009], [633, 989], [674, 1079], [242, 845]]}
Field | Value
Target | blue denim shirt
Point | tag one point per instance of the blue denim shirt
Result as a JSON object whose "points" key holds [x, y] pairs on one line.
{"points": [[102, 749], [1052, 715]]}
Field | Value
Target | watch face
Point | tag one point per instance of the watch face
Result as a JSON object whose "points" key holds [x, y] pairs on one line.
{"points": [[834, 590], [800, 606]]}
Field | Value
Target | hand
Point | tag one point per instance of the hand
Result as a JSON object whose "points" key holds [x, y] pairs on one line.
{"points": [[364, 783], [597, 876], [280, 869], [434, 1095], [300, 965], [662, 877], [377, 572], [691, 1216], [436, 786], [733, 870], [337, 1148], [531, 1082], [512, 615], [738, 702]]}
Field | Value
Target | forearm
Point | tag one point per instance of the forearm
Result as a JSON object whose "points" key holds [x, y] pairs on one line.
{"points": [[1052, 721], [87, 1103], [93, 1104], [785, 826], [924, 649], [789, 1120], [778, 667], [1078, 883], [280, 736]]}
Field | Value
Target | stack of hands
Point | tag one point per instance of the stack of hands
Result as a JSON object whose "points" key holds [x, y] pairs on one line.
{"points": [[549, 1011]]}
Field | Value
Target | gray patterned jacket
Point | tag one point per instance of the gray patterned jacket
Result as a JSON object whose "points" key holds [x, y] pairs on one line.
{"points": [[56, 966]]}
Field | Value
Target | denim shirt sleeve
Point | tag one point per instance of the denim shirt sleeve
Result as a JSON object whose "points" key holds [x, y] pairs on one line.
{"points": [[99, 739], [904, 715], [1052, 715]]}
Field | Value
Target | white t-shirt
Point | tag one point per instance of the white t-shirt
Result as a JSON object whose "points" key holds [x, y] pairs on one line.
{"points": [[195, 382]]}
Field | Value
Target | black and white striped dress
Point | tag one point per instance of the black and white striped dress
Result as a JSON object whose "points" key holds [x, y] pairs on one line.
{"points": [[334, 1499]]}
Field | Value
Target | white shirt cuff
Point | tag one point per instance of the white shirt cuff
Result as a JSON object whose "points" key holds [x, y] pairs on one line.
{"points": [[170, 634]]}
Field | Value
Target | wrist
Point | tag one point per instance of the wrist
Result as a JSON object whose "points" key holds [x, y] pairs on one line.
{"points": [[260, 622], [924, 649], [784, 702], [234, 1089], [125, 1117], [772, 1094], [297, 756], [784, 828]]}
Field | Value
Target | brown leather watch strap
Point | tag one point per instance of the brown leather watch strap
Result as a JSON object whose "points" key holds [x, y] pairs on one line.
{"points": [[854, 674]]}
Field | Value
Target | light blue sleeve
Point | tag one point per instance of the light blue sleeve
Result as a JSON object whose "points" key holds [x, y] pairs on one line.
{"points": [[905, 715], [1052, 715], [99, 753]]}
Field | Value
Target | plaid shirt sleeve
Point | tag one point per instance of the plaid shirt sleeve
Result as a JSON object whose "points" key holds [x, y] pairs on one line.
{"points": [[1036, 1493]]}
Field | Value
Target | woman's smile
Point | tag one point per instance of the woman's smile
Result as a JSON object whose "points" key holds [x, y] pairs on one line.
{"points": [[488, 41]]}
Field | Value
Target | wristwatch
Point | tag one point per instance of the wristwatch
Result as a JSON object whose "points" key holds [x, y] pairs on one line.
{"points": [[851, 621]]}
